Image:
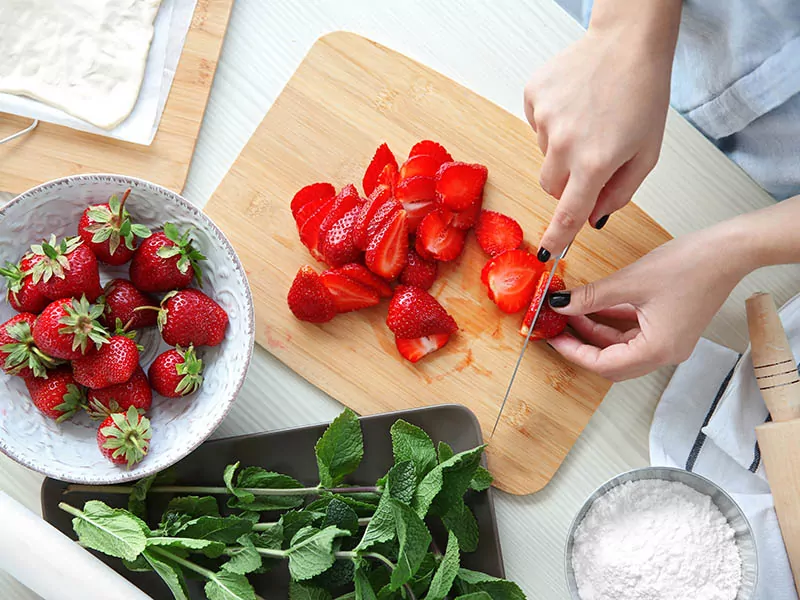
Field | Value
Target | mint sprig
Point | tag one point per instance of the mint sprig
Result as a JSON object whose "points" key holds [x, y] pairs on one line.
{"points": [[372, 539]]}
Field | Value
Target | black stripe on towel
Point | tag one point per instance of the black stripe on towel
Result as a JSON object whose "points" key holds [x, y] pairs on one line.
{"points": [[757, 452], [701, 437]]}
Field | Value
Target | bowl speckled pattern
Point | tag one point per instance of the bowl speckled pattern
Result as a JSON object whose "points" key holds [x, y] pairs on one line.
{"points": [[68, 451], [727, 506]]}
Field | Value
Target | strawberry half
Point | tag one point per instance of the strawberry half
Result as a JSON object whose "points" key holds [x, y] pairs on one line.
{"points": [[337, 244], [435, 238], [348, 294], [550, 323], [382, 216], [383, 156], [309, 232], [387, 250], [423, 165], [430, 148], [418, 271], [316, 192], [414, 349], [414, 313], [377, 199], [465, 219], [417, 194], [388, 178], [346, 200], [460, 185], [309, 300], [497, 233], [359, 273], [512, 278]]}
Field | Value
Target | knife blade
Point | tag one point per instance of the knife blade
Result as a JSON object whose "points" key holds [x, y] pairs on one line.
{"points": [[536, 314]]}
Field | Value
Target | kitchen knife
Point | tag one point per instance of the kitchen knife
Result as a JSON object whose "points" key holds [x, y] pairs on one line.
{"points": [[536, 314], [779, 441]]}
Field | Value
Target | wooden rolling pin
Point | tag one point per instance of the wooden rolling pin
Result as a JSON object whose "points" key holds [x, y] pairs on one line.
{"points": [[776, 373]]}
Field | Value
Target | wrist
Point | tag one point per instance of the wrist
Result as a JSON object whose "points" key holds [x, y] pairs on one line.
{"points": [[737, 246], [651, 27]]}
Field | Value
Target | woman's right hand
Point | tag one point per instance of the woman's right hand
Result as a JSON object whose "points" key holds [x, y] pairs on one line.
{"points": [[599, 110]]}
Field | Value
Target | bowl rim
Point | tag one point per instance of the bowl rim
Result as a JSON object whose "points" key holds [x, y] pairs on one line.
{"points": [[572, 585], [249, 316]]}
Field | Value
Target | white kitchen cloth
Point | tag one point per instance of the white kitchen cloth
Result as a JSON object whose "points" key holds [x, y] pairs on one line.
{"points": [[170, 28], [705, 422]]}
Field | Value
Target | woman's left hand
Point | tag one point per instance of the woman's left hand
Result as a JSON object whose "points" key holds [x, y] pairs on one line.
{"points": [[654, 311]]}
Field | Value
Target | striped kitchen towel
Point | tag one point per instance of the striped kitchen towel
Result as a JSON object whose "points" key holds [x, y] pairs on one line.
{"points": [[705, 422]]}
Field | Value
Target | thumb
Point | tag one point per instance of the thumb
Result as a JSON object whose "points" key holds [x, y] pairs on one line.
{"points": [[590, 298]]}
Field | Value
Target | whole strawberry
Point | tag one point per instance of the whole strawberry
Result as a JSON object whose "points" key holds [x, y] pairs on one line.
{"points": [[23, 294], [18, 352], [66, 269], [176, 372], [124, 438], [189, 317], [121, 299], [59, 396], [113, 363], [166, 261], [134, 393], [108, 231], [69, 329]]}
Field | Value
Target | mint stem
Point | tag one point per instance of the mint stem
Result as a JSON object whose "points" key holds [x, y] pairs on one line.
{"points": [[183, 562], [218, 491], [263, 526]]}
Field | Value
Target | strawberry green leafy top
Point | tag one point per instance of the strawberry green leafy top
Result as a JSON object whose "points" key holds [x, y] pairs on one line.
{"points": [[113, 223]]}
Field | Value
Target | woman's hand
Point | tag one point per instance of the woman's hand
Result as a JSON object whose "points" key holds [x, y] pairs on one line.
{"points": [[599, 110], [652, 312]]}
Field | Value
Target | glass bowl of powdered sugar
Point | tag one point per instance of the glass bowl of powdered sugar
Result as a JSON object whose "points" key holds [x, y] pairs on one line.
{"points": [[660, 533]]}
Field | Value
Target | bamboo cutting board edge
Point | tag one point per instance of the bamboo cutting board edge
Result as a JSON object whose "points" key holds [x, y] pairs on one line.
{"points": [[51, 151], [381, 95]]}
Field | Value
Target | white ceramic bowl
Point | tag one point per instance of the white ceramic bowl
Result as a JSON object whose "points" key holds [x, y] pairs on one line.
{"points": [[743, 534], [68, 451]]}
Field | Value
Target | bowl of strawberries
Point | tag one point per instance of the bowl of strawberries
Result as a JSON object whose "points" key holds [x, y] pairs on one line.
{"points": [[126, 328]]}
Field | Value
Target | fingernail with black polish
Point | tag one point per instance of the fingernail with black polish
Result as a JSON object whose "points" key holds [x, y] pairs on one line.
{"points": [[559, 299], [601, 222], [543, 255]]}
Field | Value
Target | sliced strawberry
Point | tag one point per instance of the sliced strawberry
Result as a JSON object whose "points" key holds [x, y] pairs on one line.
{"points": [[511, 279], [429, 148], [308, 209], [423, 165], [550, 323], [337, 243], [416, 348], [437, 239], [466, 218], [383, 156], [388, 178], [388, 248], [417, 195], [414, 313], [346, 200], [348, 294], [497, 233], [378, 198], [313, 192], [460, 185], [418, 271], [383, 214], [309, 232], [416, 212], [360, 273], [308, 299]]}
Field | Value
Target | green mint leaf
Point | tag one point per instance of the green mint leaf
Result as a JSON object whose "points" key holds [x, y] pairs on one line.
{"points": [[482, 480], [229, 586], [338, 576], [363, 504], [445, 452], [340, 449], [475, 596], [112, 531], [194, 506], [137, 499], [340, 515], [460, 521], [210, 548], [170, 572], [295, 520], [422, 578], [409, 442], [401, 481], [312, 554], [246, 558], [457, 473], [470, 582], [445, 575], [270, 538], [139, 565], [414, 539], [256, 477], [364, 589], [218, 529], [299, 591], [427, 490]]}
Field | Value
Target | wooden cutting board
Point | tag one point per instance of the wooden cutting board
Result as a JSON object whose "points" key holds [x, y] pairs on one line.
{"points": [[348, 96], [52, 151]]}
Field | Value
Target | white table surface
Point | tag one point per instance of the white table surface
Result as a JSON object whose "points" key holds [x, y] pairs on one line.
{"points": [[492, 47]]}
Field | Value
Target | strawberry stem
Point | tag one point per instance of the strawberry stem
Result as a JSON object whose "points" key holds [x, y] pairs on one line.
{"points": [[123, 199]]}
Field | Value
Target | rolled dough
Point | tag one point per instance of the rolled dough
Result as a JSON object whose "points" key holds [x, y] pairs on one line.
{"points": [[85, 57]]}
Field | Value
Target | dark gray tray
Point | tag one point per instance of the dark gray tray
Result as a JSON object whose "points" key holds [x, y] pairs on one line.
{"points": [[291, 451]]}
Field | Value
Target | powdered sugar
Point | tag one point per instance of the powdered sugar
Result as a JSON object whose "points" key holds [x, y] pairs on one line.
{"points": [[655, 540]]}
